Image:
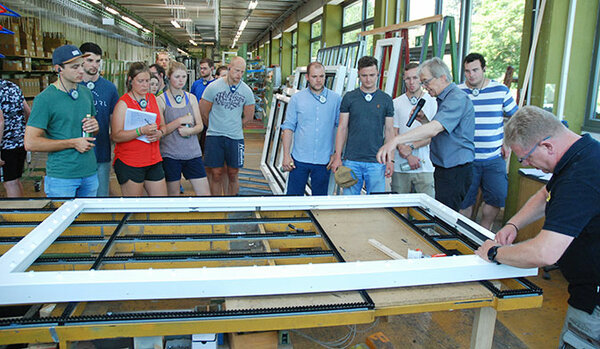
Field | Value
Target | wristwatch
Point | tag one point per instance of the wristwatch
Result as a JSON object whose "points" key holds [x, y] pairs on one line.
{"points": [[491, 254], [412, 146]]}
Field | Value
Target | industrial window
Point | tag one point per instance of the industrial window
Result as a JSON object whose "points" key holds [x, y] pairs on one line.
{"points": [[294, 48], [315, 38], [493, 33], [358, 17], [592, 120]]}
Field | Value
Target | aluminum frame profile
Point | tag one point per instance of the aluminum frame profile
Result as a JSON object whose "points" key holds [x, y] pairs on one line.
{"points": [[339, 82], [396, 44], [19, 287], [271, 144]]}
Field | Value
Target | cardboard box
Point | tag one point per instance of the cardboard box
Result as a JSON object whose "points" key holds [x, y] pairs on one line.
{"points": [[263, 340], [10, 49], [44, 81], [12, 65], [18, 81]]}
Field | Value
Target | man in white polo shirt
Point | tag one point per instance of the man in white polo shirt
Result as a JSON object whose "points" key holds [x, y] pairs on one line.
{"points": [[413, 170]]}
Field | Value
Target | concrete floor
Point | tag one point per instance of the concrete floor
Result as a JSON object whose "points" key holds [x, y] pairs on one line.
{"points": [[535, 328]]}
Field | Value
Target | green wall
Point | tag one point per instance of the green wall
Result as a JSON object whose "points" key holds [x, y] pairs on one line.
{"points": [[286, 55], [303, 52], [275, 52], [331, 26]]}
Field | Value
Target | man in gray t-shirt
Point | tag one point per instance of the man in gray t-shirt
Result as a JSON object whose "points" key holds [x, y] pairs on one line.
{"points": [[221, 106], [366, 116]]}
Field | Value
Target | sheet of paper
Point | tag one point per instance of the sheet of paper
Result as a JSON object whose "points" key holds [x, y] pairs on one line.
{"points": [[536, 173], [136, 118]]}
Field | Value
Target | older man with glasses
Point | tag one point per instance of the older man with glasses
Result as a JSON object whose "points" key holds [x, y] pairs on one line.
{"points": [[451, 131], [569, 203]]}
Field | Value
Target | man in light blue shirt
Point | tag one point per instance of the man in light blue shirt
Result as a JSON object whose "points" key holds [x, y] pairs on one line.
{"points": [[451, 131], [311, 118]]}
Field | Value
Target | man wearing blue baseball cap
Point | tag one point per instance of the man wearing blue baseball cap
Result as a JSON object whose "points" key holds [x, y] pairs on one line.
{"points": [[62, 123]]}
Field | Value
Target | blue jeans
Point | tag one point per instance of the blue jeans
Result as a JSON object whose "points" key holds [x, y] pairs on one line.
{"points": [[319, 178], [71, 187], [372, 174], [103, 178]]}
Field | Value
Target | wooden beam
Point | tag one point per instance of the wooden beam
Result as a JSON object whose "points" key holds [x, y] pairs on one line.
{"points": [[403, 25]]}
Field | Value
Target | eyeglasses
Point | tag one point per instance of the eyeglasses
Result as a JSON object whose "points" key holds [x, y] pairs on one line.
{"points": [[426, 82], [520, 160]]}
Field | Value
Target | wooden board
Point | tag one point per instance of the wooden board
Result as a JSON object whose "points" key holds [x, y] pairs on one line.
{"points": [[404, 25], [25, 204], [350, 231]]}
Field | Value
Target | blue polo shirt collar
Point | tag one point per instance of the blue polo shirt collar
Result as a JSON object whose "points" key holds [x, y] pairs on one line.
{"points": [[446, 91]]}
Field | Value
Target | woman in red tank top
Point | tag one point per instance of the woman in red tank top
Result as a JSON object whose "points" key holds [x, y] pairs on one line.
{"points": [[138, 163]]}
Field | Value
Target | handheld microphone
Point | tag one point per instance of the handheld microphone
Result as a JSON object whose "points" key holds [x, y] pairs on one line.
{"points": [[418, 108]]}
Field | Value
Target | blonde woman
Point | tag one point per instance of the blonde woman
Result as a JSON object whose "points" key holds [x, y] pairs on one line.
{"points": [[180, 148]]}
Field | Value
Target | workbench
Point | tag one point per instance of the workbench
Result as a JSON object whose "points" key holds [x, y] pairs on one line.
{"points": [[226, 233]]}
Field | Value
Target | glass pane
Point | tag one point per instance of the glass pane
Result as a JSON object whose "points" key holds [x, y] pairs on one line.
{"points": [[314, 48], [452, 8], [422, 8], [315, 29], [370, 9], [494, 35], [352, 14], [294, 52], [598, 104], [351, 36], [294, 37], [419, 9], [369, 48]]}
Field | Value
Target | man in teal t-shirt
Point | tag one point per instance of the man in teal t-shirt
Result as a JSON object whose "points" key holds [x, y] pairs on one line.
{"points": [[58, 124]]}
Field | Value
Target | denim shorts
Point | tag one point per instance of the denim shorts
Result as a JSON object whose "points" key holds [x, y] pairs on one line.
{"points": [[221, 150], [491, 177], [191, 169]]}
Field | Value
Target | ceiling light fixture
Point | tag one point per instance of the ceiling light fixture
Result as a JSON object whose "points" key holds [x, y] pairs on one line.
{"points": [[182, 51], [112, 10], [132, 22], [252, 5], [175, 24], [95, 1], [193, 42], [175, 7], [146, 31], [243, 24]]}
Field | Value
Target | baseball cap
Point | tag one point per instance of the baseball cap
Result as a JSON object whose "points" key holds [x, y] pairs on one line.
{"points": [[66, 53], [345, 177]]}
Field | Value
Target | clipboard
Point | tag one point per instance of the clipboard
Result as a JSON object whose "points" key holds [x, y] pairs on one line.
{"points": [[136, 118]]}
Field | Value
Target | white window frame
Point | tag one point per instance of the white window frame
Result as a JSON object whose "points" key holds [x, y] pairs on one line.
{"points": [[17, 286], [390, 74]]}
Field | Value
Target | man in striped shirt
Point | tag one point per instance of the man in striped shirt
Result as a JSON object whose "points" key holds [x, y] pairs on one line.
{"points": [[492, 102]]}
